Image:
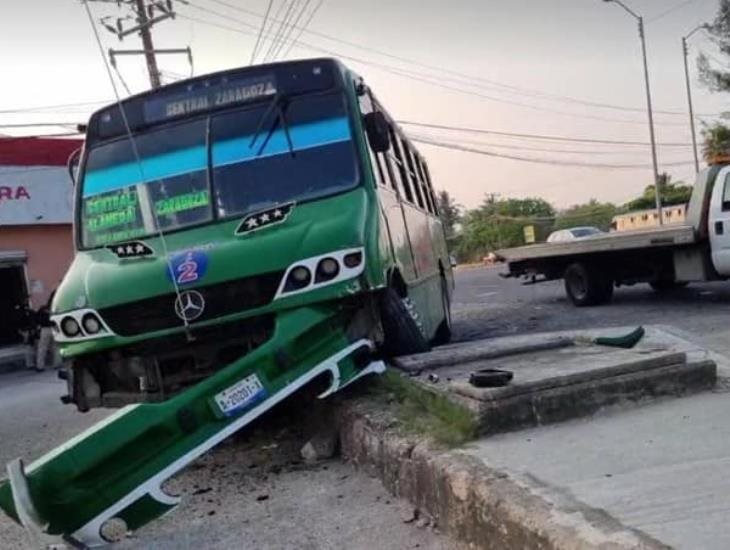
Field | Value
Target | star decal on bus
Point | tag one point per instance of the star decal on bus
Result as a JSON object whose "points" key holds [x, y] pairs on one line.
{"points": [[265, 218], [131, 249]]}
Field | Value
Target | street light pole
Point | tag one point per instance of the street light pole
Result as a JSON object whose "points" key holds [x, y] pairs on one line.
{"points": [[685, 53], [657, 191]]}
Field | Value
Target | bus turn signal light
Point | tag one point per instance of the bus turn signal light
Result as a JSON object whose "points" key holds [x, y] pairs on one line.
{"points": [[353, 260]]}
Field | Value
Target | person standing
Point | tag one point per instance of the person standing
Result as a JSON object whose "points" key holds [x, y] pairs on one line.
{"points": [[46, 344]]}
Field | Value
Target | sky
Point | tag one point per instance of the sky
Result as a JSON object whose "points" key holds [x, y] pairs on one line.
{"points": [[537, 67]]}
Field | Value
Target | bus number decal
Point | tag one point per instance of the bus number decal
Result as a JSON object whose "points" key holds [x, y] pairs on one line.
{"points": [[188, 267]]}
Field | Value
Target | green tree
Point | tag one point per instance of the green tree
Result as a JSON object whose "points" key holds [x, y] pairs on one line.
{"points": [[449, 212], [593, 213], [671, 193], [499, 223], [716, 78]]}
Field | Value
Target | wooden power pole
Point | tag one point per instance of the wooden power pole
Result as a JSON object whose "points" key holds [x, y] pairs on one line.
{"points": [[146, 14]]}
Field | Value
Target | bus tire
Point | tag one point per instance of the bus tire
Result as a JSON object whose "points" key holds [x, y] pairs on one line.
{"points": [[402, 336], [586, 285], [443, 332]]}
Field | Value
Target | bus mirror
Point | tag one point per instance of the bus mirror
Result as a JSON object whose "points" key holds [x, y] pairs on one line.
{"points": [[377, 129], [73, 165]]}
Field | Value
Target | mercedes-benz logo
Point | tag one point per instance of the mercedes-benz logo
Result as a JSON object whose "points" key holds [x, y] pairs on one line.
{"points": [[189, 305]]}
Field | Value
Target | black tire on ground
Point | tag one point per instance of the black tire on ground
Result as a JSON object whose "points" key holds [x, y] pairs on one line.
{"points": [[664, 285], [587, 285], [443, 332], [401, 332]]}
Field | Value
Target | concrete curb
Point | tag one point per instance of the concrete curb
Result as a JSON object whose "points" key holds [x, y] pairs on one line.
{"points": [[471, 501]]}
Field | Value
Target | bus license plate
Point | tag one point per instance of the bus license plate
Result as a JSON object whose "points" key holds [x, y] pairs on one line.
{"points": [[240, 395]]}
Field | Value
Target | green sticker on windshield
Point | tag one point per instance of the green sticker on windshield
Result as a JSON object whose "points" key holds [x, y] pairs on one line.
{"points": [[181, 203], [101, 205], [111, 219]]}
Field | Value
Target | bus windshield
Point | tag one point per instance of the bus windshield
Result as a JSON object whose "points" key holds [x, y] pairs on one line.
{"points": [[216, 167]]}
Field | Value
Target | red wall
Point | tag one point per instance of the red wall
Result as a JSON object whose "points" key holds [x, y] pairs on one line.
{"points": [[49, 250]]}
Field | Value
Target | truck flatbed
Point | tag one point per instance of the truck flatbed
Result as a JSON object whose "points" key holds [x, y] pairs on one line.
{"points": [[668, 235]]}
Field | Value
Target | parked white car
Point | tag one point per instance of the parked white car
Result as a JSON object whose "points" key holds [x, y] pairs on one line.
{"points": [[573, 234]]}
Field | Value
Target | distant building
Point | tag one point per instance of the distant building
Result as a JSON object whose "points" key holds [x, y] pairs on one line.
{"points": [[36, 213], [648, 218]]}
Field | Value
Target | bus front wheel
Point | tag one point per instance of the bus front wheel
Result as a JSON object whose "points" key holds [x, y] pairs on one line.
{"points": [[402, 336]]}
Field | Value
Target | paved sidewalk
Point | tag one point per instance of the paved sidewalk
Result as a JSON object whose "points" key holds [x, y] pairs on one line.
{"points": [[659, 468]]}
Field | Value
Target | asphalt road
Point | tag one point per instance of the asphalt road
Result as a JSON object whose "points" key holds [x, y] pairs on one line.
{"points": [[486, 305], [336, 506]]}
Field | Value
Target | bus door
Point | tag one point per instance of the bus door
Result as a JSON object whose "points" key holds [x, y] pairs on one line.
{"points": [[391, 208]]}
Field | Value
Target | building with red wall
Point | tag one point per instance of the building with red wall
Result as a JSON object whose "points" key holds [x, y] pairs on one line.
{"points": [[36, 213]]}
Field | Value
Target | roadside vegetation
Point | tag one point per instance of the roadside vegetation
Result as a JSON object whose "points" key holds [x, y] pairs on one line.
{"points": [[424, 412], [500, 223]]}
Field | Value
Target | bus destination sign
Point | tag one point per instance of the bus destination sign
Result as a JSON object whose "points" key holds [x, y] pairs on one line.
{"points": [[165, 106]]}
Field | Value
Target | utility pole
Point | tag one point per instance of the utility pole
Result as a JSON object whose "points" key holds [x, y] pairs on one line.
{"points": [[149, 48], [685, 53], [146, 14], [657, 190]]}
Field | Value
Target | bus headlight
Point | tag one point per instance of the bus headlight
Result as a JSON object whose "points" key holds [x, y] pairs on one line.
{"points": [[91, 324], [79, 325], [353, 260], [327, 269], [318, 271], [299, 277], [70, 327]]}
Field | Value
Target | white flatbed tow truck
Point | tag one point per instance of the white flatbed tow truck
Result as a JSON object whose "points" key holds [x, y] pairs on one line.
{"points": [[665, 257]]}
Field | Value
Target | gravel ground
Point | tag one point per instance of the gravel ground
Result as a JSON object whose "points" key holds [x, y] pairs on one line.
{"points": [[252, 491]]}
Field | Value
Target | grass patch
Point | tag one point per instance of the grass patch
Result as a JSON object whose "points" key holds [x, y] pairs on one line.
{"points": [[427, 413]]}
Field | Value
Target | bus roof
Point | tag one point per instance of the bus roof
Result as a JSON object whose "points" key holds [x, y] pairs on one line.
{"points": [[213, 91]]}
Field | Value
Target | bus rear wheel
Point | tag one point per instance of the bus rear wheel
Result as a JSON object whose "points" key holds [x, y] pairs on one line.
{"points": [[587, 285], [402, 336]]}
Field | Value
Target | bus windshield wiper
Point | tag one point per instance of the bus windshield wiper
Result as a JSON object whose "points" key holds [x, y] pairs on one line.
{"points": [[278, 104]]}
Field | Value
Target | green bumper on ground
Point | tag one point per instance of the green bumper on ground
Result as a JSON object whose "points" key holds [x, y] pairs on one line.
{"points": [[116, 468]]}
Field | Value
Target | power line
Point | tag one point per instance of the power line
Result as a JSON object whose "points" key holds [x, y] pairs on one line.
{"points": [[428, 79], [441, 70], [462, 141], [303, 27], [280, 30], [290, 30], [39, 108], [261, 32], [670, 10], [536, 136], [534, 160], [36, 124]]}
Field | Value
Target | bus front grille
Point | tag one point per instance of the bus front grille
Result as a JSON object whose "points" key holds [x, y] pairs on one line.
{"points": [[158, 313]]}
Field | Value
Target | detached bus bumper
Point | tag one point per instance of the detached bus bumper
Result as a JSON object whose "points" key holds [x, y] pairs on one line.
{"points": [[109, 479]]}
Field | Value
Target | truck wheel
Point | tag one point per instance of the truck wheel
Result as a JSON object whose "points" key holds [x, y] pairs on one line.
{"points": [[664, 285], [586, 285], [443, 332], [402, 334]]}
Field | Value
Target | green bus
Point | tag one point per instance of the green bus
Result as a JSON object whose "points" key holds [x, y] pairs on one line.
{"points": [[244, 197], [240, 236]]}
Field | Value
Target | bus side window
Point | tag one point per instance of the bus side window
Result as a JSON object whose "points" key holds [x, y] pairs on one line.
{"points": [[412, 173], [430, 188], [376, 159], [424, 185], [397, 159]]}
